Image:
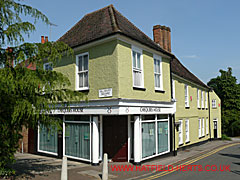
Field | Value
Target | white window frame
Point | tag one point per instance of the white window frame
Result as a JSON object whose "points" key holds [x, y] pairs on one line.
{"points": [[214, 103], [158, 58], [199, 127], [207, 126], [203, 127], [186, 95], [202, 98], [77, 72], [206, 100], [198, 98], [45, 64], [187, 138], [180, 133], [138, 50], [173, 89]]}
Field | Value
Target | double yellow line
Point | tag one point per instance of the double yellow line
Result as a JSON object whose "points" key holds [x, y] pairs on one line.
{"points": [[190, 162]]}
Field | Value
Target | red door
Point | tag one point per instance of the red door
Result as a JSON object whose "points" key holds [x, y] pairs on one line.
{"points": [[115, 138]]}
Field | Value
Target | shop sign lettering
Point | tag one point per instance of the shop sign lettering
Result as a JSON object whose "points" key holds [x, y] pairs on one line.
{"points": [[150, 109]]}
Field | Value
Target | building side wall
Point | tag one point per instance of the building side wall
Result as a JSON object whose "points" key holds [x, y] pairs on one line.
{"points": [[103, 69], [126, 76], [216, 114], [192, 113]]}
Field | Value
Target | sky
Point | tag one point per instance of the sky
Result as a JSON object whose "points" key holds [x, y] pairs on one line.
{"points": [[205, 33]]}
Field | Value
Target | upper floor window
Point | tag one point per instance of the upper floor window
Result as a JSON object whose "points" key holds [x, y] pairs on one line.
{"points": [[48, 66], [186, 96], [137, 68], [158, 72], [202, 99], [82, 71], [206, 100], [214, 103], [198, 98]]}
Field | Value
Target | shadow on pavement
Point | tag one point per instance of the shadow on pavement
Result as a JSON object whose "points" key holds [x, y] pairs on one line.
{"points": [[28, 168], [231, 155]]}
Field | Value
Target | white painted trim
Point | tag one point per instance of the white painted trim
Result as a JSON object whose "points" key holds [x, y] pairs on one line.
{"points": [[95, 140], [48, 63], [156, 136], [129, 137], [159, 58], [188, 134], [77, 158], [76, 73], [137, 139], [64, 131], [118, 107], [138, 50], [101, 138], [180, 126], [47, 152]]}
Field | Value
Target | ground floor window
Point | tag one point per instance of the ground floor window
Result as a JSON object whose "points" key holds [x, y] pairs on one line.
{"points": [[155, 135], [180, 133], [77, 136], [148, 139], [48, 139]]}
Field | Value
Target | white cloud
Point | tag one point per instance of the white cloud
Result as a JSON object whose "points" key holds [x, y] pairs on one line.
{"points": [[191, 56]]}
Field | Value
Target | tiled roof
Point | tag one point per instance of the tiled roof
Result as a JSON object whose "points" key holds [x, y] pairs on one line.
{"points": [[105, 22], [108, 21], [180, 70]]}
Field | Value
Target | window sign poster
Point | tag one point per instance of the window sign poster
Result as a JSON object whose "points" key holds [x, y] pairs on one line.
{"points": [[166, 129], [151, 132], [86, 136], [160, 130]]}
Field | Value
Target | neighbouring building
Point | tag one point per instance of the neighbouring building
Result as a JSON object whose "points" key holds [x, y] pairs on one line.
{"points": [[143, 102]]}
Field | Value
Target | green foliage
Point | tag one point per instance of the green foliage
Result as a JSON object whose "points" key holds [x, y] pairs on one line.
{"points": [[225, 137], [27, 96], [227, 88]]}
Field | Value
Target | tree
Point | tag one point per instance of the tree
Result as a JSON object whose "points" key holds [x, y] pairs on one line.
{"points": [[27, 96], [228, 90]]}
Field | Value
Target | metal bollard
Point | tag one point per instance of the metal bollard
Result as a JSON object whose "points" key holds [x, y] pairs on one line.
{"points": [[64, 168], [105, 167]]}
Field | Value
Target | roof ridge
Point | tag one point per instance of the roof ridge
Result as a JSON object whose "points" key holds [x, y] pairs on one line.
{"points": [[139, 30], [190, 72], [113, 18], [83, 18]]}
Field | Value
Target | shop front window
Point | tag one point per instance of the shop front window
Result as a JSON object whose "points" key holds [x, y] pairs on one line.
{"points": [[148, 139], [48, 139], [77, 136]]}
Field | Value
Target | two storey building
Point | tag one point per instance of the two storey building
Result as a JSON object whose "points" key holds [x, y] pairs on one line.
{"points": [[142, 102]]}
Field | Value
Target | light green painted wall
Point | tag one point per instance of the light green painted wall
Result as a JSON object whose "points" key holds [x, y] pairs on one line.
{"points": [[126, 79], [215, 113], [103, 67], [193, 113]]}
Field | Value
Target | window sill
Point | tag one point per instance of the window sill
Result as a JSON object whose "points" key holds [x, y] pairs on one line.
{"points": [[180, 144], [159, 90], [187, 142], [83, 90], [139, 88], [188, 107], [214, 107]]}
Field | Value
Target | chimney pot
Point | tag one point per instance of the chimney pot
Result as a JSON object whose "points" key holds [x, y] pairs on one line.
{"points": [[162, 36], [46, 38], [42, 40]]}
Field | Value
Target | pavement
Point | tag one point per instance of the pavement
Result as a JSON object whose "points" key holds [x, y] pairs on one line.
{"points": [[29, 166]]}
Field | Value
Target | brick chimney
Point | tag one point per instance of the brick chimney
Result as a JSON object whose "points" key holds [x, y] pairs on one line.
{"points": [[162, 36], [46, 38], [42, 40]]}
